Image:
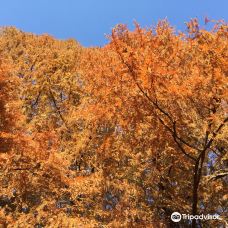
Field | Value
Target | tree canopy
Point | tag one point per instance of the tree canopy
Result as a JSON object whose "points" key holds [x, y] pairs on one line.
{"points": [[116, 136]]}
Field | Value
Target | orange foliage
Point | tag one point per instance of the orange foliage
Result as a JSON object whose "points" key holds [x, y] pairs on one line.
{"points": [[117, 136]]}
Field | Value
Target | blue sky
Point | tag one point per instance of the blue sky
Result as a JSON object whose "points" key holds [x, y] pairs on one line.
{"points": [[89, 20]]}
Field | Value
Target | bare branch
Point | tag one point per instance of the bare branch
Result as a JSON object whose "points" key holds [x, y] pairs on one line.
{"points": [[217, 175]]}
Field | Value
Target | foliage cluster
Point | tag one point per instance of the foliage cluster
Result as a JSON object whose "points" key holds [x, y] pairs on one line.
{"points": [[117, 136]]}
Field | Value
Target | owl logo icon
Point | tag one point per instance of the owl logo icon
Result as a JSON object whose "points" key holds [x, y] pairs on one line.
{"points": [[176, 217]]}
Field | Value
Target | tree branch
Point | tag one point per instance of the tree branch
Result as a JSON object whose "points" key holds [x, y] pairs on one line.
{"points": [[57, 108], [155, 103]]}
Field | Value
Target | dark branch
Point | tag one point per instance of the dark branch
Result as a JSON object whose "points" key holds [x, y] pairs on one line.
{"points": [[156, 105]]}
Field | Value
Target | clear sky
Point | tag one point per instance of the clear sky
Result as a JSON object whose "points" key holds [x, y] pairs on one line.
{"points": [[89, 20]]}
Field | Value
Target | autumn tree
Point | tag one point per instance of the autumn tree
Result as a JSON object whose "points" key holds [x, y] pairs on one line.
{"points": [[39, 180], [117, 136], [182, 83], [165, 96]]}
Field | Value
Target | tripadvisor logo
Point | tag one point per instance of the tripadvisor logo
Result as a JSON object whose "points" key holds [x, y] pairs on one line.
{"points": [[176, 217]]}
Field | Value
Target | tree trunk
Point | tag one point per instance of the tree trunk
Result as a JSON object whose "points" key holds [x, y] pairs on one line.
{"points": [[195, 192]]}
